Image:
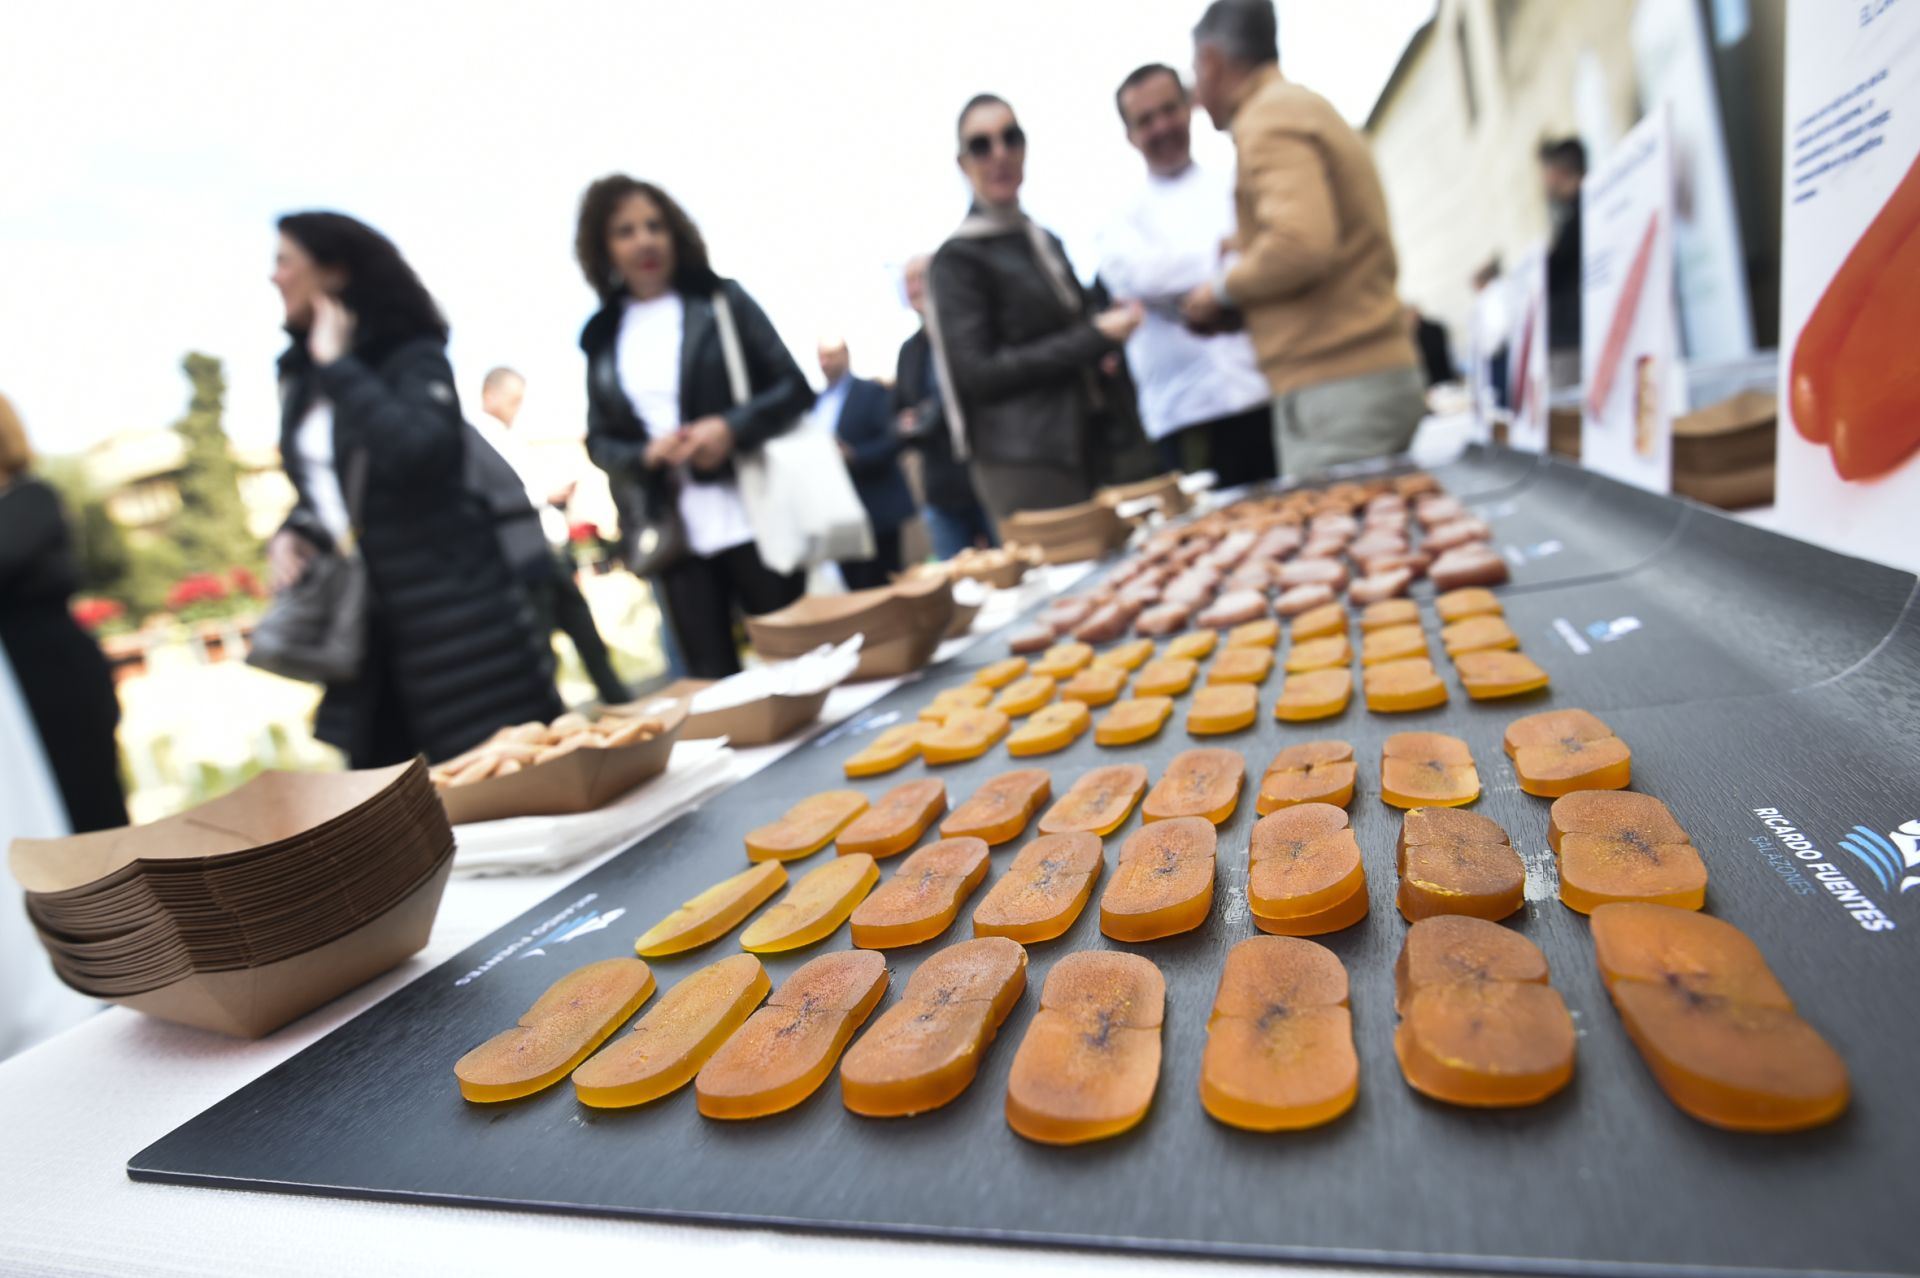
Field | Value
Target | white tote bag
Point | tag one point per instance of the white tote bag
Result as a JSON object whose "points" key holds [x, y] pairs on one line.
{"points": [[799, 497]]}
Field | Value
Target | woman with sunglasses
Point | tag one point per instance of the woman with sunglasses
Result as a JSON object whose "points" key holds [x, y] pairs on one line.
{"points": [[1018, 357]]}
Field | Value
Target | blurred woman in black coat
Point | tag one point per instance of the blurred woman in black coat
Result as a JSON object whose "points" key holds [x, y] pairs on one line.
{"points": [[662, 420], [452, 653], [63, 678]]}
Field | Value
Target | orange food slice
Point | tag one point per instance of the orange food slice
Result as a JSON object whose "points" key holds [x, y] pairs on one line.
{"points": [[1098, 802], [808, 826], [897, 821], [813, 908], [1195, 645], [1478, 634], [896, 747], [1279, 1053], [1392, 643], [923, 897], [1486, 1044], [1457, 863], [926, 1049], [1024, 696], [1197, 783], [1321, 622], [998, 674], [1334, 652], [1452, 948], [1130, 655], [1394, 687], [1043, 891], [1226, 707], [1557, 752], [1471, 601], [1000, 809], [1389, 612], [1488, 675], [676, 1037], [1264, 633], [1052, 727], [561, 1029], [1163, 884], [1617, 845], [1096, 685], [967, 734], [1718, 1033], [787, 1048], [1427, 769], [1240, 665], [713, 913], [1304, 872], [1317, 694], [1133, 720], [1064, 659], [1310, 772], [1090, 1061], [1167, 677], [970, 696]]}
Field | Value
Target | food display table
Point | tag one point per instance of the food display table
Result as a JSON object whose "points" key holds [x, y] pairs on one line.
{"points": [[1762, 684]]}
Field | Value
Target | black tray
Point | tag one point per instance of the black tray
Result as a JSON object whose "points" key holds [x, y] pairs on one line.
{"points": [[1757, 673]]}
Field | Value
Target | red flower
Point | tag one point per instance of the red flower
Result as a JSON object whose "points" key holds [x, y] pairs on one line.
{"points": [[584, 532], [245, 583], [199, 587], [94, 612]]}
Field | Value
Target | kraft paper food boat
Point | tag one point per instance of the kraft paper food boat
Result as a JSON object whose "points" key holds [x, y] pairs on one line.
{"points": [[1069, 534], [764, 704], [575, 782], [251, 909], [901, 625]]}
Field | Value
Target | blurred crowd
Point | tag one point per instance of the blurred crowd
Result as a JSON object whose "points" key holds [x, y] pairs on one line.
{"points": [[1246, 322]]}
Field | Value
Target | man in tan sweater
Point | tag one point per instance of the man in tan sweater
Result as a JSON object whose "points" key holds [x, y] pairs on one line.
{"points": [[1315, 276]]}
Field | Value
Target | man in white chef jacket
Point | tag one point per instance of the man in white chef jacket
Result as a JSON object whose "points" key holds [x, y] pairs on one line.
{"points": [[1203, 400]]}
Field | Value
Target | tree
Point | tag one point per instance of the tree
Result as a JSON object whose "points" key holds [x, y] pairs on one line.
{"points": [[210, 529]]}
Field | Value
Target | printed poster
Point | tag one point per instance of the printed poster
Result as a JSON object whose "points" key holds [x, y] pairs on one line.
{"points": [[1628, 353], [1849, 443]]}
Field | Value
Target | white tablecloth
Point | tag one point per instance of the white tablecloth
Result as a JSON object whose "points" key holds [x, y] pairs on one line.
{"points": [[75, 1108]]}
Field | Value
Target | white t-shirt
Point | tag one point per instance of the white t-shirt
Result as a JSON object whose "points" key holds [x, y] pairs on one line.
{"points": [[313, 440], [648, 358], [498, 434], [1165, 241]]}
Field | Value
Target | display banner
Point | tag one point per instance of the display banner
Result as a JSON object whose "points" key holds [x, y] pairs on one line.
{"points": [[1628, 354], [1527, 384], [1849, 449]]}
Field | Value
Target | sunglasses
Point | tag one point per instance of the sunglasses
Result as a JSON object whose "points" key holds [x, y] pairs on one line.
{"points": [[1012, 138]]}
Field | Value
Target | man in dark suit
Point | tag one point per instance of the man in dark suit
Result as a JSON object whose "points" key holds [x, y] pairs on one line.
{"points": [[860, 415]]}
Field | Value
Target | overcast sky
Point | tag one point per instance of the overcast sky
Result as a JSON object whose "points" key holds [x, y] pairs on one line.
{"points": [[149, 147]]}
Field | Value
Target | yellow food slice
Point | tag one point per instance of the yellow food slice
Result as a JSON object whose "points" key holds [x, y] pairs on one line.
{"points": [[967, 734], [1317, 694], [1492, 674], [1167, 677], [1329, 653], [1064, 659], [1226, 707], [814, 907], [1130, 655], [1024, 696], [1398, 686], [1240, 665], [807, 826], [1319, 623], [1195, 645], [712, 914], [999, 674], [1472, 601], [1051, 728], [676, 1037], [966, 697], [1264, 633], [1392, 643], [896, 747], [1135, 719], [1096, 685]]}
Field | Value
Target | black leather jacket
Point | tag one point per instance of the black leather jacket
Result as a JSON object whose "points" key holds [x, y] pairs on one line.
{"points": [[617, 438], [1020, 361]]}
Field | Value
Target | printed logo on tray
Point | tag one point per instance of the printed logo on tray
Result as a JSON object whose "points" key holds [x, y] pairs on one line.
{"points": [[1890, 860], [558, 929]]}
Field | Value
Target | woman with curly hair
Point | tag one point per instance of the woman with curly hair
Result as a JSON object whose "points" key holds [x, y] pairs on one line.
{"points": [[662, 420], [372, 438]]}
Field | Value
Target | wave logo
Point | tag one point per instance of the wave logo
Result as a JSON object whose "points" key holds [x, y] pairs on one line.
{"points": [[1891, 858], [574, 931]]}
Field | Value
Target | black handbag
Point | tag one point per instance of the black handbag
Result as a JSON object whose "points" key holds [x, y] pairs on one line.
{"points": [[655, 540], [316, 629]]}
